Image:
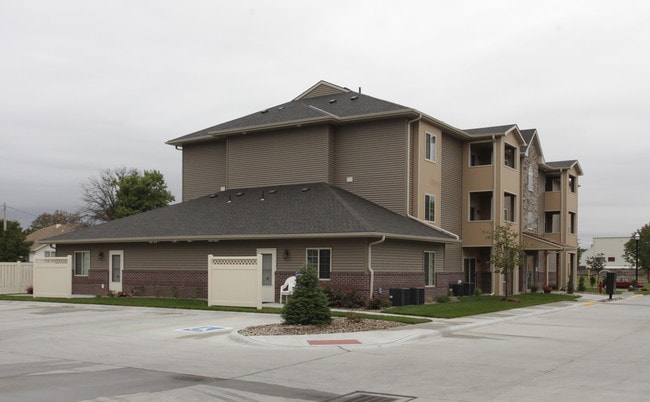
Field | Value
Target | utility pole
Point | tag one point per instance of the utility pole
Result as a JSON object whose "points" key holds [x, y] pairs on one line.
{"points": [[4, 217]]}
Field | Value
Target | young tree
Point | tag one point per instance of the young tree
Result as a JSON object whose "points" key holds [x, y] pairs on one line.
{"points": [[596, 263], [629, 249], [507, 252], [57, 217], [121, 192], [13, 246], [308, 304]]}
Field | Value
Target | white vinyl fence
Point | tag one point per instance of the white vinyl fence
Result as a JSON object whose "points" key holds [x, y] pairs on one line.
{"points": [[15, 277], [235, 281], [53, 277]]}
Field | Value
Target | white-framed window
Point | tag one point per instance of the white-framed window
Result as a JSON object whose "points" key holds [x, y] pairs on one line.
{"points": [[49, 254], [429, 207], [81, 263], [429, 268], [321, 259], [509, 207], [510, 156], [430, 147], [480, 153]]}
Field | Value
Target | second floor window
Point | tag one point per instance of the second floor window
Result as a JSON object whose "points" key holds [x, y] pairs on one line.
{"points": [[510, 156], [480, 154], [553, 183], [430, 153], [552, 222], [429, 208]]}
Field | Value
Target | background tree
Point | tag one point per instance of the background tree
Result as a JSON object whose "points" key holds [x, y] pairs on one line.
{"points": [[121, 192], [629, 249], [308, 305], [140, 193], [13, 246], [57, 217], [507, 252], [595, 264]]}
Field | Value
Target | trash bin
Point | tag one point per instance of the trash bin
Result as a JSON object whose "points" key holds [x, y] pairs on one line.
{"points": [[610, 283], [399, 296], [416, 295], [455, 289]]}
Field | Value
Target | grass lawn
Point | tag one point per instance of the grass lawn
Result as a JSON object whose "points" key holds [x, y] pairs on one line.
{"points": [[191, 304], [472, 305]]}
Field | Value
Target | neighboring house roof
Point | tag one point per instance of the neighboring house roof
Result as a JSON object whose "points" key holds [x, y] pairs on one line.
{"points": [[49, 231], [292, 211], [339, 105]]}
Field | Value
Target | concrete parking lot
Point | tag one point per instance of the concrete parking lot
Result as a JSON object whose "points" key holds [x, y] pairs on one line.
{"points": [[566, 351]]}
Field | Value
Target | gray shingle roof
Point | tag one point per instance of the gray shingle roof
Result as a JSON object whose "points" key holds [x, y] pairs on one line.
{"points": [[335, 107], [315, 209], [485, 131]]}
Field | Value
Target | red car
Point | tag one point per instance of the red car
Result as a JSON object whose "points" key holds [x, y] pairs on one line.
{"points": [[625, 283]]}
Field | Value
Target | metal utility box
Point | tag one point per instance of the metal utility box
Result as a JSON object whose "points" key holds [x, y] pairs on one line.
{"points": [[399, 296], [416, 295]]}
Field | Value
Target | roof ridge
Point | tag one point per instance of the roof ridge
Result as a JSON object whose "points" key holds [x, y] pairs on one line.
{"points": [[348, 207]]}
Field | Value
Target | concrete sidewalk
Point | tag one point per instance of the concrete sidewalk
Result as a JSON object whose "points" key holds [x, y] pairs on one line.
{"points": [[410, 333]]}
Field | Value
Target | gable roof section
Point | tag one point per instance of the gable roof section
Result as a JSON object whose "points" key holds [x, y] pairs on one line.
{"points": [[490, 131], [565, 165], [322, 103], [292, 211]]}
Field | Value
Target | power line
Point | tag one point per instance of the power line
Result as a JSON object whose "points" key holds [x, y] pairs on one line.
{"points": [[24, 212]]}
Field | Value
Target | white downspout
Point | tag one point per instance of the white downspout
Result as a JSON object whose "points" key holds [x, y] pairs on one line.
{"points": [[372, 272]]}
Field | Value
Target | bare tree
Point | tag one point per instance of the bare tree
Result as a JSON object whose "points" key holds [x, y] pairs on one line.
{"points": [[100, 194]]}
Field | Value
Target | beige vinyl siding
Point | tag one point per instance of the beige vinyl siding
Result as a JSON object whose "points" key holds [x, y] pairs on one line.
{"points": [[397, 255], [204, 169], [373, 154], [279, 157], [451, 195], [347, 254]]}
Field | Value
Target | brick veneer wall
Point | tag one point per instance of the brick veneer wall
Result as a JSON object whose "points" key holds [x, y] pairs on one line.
{"points": [[91, 284], [163, 283]]}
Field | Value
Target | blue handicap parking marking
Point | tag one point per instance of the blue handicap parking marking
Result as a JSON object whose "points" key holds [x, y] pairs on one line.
{"points": [[204, 328]]}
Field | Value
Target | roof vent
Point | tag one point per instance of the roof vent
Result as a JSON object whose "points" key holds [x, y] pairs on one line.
{"points": [[264, 111], [239, 194], [332, 101], [304, 189], [213, 195], [273, 191], [229, 199], [354, 97], [262, 197], [280, 107]]}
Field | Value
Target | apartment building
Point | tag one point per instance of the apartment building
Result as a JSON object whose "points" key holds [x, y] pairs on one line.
{"points": [[374, 194]]}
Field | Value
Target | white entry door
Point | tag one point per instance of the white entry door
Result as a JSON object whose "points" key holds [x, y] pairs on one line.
{"points": [[115, 268], [268, 273]]}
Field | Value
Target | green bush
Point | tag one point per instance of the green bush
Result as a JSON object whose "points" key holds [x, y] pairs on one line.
{"points": [[308, 304], [581, 284], [443, 299], [377, 303], [344, 298]]}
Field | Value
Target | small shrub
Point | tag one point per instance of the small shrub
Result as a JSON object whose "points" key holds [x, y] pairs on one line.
{"points": [[592, 281], [570, 287], [377, 303], [478, 292], [443, 299], [308, 305], [30, 290], [344, 298], [547, 288], [581, 284], [533, 288], [354, 317]]}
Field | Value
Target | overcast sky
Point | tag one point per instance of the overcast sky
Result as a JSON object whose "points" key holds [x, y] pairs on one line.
{"points": [[88, 85]]}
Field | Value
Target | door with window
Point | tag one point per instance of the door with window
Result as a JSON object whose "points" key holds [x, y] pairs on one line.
{"points": [[470, 270], [115, 268], [268, 273]]}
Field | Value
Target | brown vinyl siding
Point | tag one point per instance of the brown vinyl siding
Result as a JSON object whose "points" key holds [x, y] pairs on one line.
{"points": [[279, 157], [374, 155], [402, 256], [204, 169], [451, 196]]}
